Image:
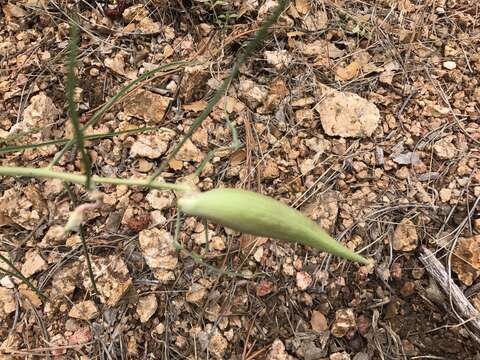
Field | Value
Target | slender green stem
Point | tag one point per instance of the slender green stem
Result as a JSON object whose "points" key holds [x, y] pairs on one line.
{"points": [[72, 107], [87, 258], [205, 228], [219, 93], [204, 162], [80, 179], [99, 113], [73, 198], [14, 148], [18, 135], [16, 273]]}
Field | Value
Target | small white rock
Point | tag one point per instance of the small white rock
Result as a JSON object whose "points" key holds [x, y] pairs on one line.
{"points": [[84, 310], [146, 307], [7, 282], [450, 65], [304, 280]]}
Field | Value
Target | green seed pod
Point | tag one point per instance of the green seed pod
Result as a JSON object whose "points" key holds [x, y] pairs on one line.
{"points": [[256, 214]]}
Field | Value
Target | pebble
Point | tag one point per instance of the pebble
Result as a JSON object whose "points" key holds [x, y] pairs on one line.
{"points": [[450, 65]]}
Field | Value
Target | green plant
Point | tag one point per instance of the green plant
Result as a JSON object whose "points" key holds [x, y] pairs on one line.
{"points": [[241, 210], [256, 214]]}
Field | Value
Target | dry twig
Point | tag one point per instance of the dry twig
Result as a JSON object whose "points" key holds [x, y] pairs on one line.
{"points": [[439, 274]]}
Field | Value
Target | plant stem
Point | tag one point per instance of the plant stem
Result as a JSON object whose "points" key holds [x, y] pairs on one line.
{"points": [[14, 148], [99, 113], [80, 179], [220, 92], [89, 261], [72, 107], [22, 278]]}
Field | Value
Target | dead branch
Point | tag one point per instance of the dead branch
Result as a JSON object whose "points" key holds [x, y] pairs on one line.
{"points": [[462, 305]]}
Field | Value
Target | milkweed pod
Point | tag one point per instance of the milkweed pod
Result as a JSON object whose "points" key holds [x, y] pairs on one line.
{"points": [[256, 214]]}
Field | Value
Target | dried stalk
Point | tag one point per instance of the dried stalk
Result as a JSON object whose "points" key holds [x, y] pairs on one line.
{"points": [[462, 305]]}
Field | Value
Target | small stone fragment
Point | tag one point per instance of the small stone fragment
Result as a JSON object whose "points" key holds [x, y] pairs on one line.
{"points": [[445, 195], [111, 277], [316, 21], [318, 321], [466, 259], [81, 336], [280, 59], [117, 64], [318, 144], [196, 293], [159, 200], [406, 158], [41, 114], [7, 302], [476, 224], [64, 282], [250, 91], [24, 208], [146, 307], [54, 236], [258, 254], [405, 236], [58, 343], [450, 65], [32, 296], [160, 329], [264, 287], [144, 166], [84, 310], [147, 105], [310, 351], [339, 356], [135, 219], [218, 345], [6, 281], [304, 280], [302, 6], [323, 209], [434, 109], [344, 322], [444, 148], [33, 264], [306, 166], [148, 26], [152, 146], [270, 171], [159, 252], [189, 152], [346, 114], [408, 289], [135, 13], [277, 352], [217, 243], [348, 72]]}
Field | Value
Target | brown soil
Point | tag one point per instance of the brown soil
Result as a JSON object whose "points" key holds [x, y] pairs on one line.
{"points": [[403, 174]]}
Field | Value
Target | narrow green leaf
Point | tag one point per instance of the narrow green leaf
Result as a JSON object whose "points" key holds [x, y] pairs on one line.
{"points": [[16, 148]]}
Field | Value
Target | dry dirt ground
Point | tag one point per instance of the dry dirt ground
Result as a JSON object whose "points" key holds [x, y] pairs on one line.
{"points": [[364, 115]]}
